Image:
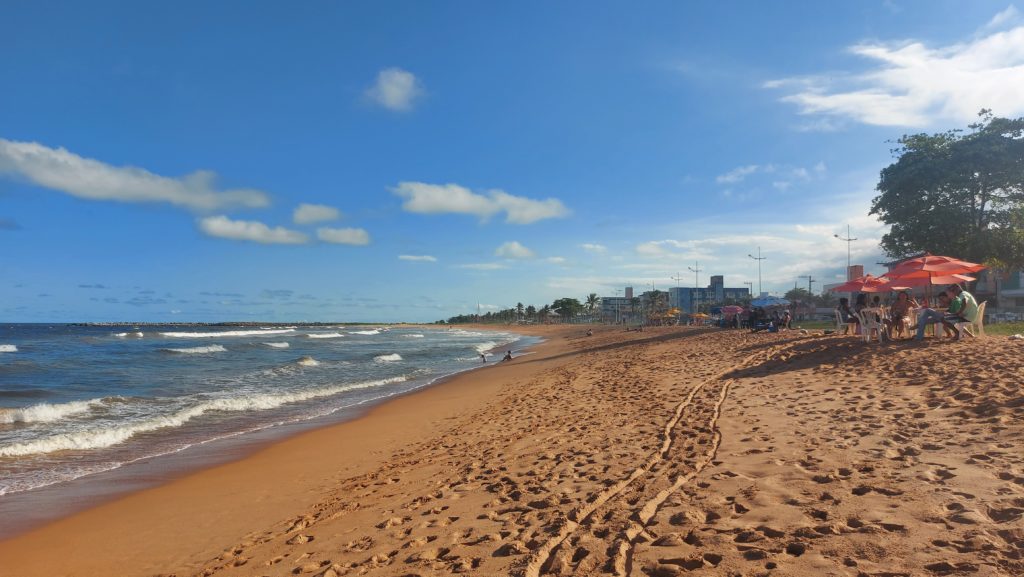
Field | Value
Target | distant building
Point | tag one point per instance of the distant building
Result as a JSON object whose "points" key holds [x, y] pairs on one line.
{"points": [[715, 293], [616, 309]]}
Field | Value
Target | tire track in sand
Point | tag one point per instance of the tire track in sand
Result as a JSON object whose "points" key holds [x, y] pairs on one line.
{"points": [[576, 518]]}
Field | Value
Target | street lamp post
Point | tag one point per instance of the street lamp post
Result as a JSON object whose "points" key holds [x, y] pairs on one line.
{"points": [[750, 287], [758, 258], [696, 286], [849, 239]]}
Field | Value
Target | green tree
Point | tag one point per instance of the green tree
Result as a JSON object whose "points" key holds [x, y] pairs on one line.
{"points": [[958, 194], [567, 308], [800, 295], [592, 301], [531, 312]]}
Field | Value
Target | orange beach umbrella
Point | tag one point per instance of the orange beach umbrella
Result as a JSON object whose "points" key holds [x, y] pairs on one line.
{"points": [[864, 284]]}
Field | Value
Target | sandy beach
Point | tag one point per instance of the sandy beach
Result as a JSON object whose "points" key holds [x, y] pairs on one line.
{"points": [[663, 452]]}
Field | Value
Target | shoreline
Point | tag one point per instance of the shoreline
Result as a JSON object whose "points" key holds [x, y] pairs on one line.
{"points": [[40, 506], [654, 453], [145, 489]]}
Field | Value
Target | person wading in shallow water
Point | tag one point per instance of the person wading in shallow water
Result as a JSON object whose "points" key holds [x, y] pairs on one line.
{"points": [[508, 356]]}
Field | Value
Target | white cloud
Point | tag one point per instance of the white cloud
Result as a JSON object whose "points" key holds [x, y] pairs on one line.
{"points": [[483, 266], [513, 249], [417, 258], [555, 260], [736, 174], [308, 213], [426, 198], [395, 89], [59, 169], [223, 227], [1009, 16], [911, 84], [593, 247], [353, 236]]}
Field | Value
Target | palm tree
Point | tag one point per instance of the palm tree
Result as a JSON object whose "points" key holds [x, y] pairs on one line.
{"points": [[519, 310], [634, 306], [592, 302]]}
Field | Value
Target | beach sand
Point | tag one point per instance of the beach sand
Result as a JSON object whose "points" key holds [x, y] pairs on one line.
{"points": [[663, 452]]}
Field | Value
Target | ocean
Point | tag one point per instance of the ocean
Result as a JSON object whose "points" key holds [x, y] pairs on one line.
{"points": [[79, 401]]}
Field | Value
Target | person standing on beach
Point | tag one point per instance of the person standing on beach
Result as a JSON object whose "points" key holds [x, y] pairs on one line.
{"points": [[483, 357]]}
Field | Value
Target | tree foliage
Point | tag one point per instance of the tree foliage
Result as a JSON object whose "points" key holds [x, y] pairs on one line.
{"points": [[958, 194]]}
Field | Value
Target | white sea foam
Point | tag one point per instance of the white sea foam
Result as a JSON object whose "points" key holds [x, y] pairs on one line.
{"points": [[372, 332], [45, 412], [199, 350], [278, 345], [136, 334], [484, 347], [107, 436], [214, 334], [388, 358], [325, 335], [308, 362], [413, 336], [8, 349]]}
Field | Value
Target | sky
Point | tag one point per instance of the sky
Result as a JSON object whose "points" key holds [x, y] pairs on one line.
{"points": [[411, 161]]}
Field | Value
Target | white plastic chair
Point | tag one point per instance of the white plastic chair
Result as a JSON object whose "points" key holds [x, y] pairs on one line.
{"points": [[870, 324], [841, 325], [978, 323]]}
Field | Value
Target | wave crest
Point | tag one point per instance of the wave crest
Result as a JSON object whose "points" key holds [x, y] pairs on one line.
{"points": [[108, 436], [325, 335], [278, 345], [216, 334], [388, 358], [8, 349], [373, 332], [45, 412], [199, 350]]}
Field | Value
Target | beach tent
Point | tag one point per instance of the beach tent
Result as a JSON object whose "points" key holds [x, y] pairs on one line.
{"points": [[769, 301]]}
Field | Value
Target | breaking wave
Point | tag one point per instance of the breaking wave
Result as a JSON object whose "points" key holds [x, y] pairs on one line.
{"points": [[136, 334], [199, 350], [45, 412], [413, 336], [308, 362], [325, 335], [484, 347], [278, 345], [372, 332], [388, 358], [8, 349], [214, 334], [107, 436]]}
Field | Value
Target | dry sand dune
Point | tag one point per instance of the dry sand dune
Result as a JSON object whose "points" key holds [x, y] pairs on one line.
{"points": [[681, 450]]}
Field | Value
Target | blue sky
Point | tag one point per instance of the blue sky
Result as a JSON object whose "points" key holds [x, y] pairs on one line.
{"points": [[390, 161]]}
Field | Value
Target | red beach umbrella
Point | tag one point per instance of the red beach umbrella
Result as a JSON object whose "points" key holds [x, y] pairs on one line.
{"points": [[910, 282], [928, 266], [864, 284]]}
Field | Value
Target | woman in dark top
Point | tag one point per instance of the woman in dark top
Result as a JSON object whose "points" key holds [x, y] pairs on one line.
{"points": [[846, 315]]}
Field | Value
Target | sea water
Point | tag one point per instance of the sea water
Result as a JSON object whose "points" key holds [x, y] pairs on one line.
{"points": [[76, 401]]}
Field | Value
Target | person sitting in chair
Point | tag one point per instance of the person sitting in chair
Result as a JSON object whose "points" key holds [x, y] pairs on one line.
{"points": [[928, 316], [899, 314], [962, 309], [846, 315]]}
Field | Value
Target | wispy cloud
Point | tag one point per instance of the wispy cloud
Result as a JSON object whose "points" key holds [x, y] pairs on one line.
{"points": [[426, 198], [593, 247], [555, 260], [352, 236], [417, 258], [914, 85], [737, 174], [395, 89], [513, 249], [249, 230], [59, 169], [309, 213], [483, 266]]}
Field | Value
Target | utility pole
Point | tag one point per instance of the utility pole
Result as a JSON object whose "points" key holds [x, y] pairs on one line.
{"points": [[758, 258], [750, 287], [810, 281], [849, 239], [678, 278], [696, 285]]}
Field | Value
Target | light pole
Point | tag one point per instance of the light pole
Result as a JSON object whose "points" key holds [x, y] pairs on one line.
{"points": [[758, 258], [750, 287], [696, 286], [849, 239]]}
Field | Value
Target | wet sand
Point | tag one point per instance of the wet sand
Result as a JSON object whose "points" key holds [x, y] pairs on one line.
{"points": [[665, 452]]}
